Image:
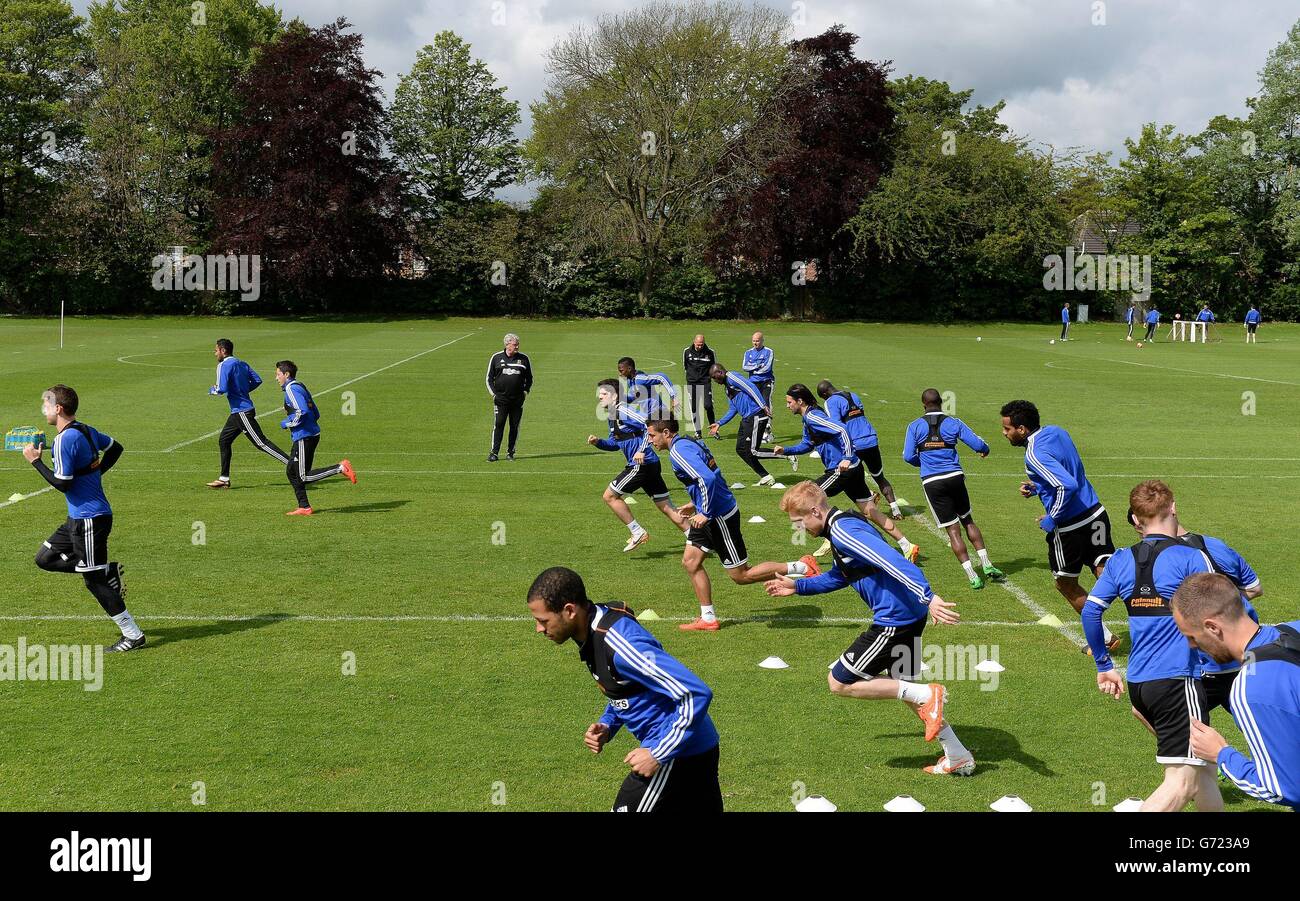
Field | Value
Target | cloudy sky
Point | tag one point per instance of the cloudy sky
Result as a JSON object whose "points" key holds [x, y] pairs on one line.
{"points": [[1067, 81]]}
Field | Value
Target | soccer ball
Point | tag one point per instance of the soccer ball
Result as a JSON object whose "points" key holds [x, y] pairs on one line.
{"points": [[977, 338], [1139, 344], [1053, 341]]}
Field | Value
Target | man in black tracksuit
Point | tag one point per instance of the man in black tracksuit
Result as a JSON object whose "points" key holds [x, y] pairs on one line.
{"points": [[509, 379], [697, 360]]}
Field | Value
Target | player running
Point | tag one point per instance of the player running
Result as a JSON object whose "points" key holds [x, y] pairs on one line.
{"points": [[664, 705], [654, 390], [1077, 526], [844, 471], [931, 445], [744, 399], [899, 597], [627, 424], [846, 408], [303, 423], [81, 456], [237, 380], [714, 523]]}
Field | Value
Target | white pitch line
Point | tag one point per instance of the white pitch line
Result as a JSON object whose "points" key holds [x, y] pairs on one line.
{"points": [[444, 618], [328, 390], [1072, 633], [26, 496], [1219, 375]]}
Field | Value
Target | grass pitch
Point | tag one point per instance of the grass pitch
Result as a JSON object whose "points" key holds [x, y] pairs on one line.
{"points": [[418, 572]]}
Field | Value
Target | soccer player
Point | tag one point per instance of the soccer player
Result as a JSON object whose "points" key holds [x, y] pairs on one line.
{"points": [[1208, 610], [899, 597], [714, 523], [931, 446], [1162, 668], [627, 434], [237, 380], [81, 456], [303, 423], [846, 408], [509, 379], [1205, 315], [1153, 322], [1065, 321], [1129, 316], [1077, 526], [757, 364], [697, 360], [1252, 323], [655, 390], [744, 399], [844, 471], [663, 704]]}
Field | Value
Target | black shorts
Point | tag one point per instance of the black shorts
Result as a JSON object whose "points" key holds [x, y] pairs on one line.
{"points": [[646, 477], [1169, 706], [853, 483], [723, 536], [1218, 688], [880, 648], [1084, 543], [948, 498], [870, 457], [85, 541], [749, 435], [680, 785], [1251, 326]]}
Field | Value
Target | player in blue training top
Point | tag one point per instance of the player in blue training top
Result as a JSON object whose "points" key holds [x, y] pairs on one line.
{"points": [[1077, 526], [899, 597], [627, 424], [845, 407], [1153, 322], [1163, 670], [745, 400], [1252, 324], [1206, 315], [302, 422], [81, 456], [654, 391], [1209, 611], [757, 365], [931, 445], [714, 520], [237, 380], [1065, 321], [664, 705], [844, 469], [1129, 316]]}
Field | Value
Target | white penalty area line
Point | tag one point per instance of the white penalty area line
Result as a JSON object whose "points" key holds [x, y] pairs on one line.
{"points": [[328, 390]]}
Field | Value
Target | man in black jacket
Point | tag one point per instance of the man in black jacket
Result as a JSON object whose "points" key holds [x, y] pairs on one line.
{"points": [[509, 379], [697, 360]]}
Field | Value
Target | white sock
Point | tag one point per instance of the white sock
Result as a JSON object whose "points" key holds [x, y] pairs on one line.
{"points": [[1106, 633], [127, 625], [893, 508], [952, 746], [707, 614], [969, 567], [796, 568], [914, 692], [634, 527], [904, 545], [223, 478], [984, 557]]}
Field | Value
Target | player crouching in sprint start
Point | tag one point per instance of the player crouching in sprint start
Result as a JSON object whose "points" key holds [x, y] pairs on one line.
{"points": [[627, 434], [303, 426], [80, 545], [663, 704], [899, 597], [714, 523]]}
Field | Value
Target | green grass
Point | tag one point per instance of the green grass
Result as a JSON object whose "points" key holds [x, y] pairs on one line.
{"points": [[440, 709]]}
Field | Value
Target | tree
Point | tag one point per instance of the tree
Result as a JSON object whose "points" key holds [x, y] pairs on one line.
{"points": [[652, 115], [839, 123], [306, 186], [453, 128]]}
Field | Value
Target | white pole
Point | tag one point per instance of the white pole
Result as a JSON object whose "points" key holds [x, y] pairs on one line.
{"points": [[61, 305]]}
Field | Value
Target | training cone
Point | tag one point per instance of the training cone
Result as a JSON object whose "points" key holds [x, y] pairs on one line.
{"points": [[904, 804], [629, 500], [757, 518], [1050, 620], [990, 666], [815, 804], [736, 486], [1010, 804], [648, 614], [773, 663], [1128, 805], [15, 498]]}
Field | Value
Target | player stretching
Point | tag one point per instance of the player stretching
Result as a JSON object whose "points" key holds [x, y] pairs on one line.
{"points": [[80, 545], [1162, 668], [844, 471], [663, 704], [745, 399], [236, 379], [899, 598], [627, 434], [714, 523], [932, 446], [1077, 526], [304, 428], [845, 407]]}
